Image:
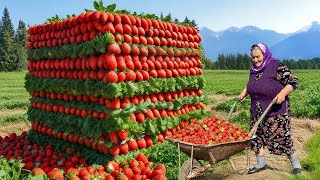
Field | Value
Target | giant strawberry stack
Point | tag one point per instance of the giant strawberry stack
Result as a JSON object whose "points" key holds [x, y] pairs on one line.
{"points": [[112, 82]]}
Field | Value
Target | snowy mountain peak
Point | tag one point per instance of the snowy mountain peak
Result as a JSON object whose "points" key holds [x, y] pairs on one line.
{"points": [[314, 26]]}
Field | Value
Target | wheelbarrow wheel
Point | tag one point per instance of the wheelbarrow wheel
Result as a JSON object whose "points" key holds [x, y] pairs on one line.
{"points": [[185, 168]]}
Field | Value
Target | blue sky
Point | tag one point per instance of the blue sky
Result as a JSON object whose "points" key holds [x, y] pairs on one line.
{"points": [[283, 16]]}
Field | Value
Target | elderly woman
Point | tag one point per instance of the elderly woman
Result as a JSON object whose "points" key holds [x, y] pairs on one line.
{"points": [[269, 79]]}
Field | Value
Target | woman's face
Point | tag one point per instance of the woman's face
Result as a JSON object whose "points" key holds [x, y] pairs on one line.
{"points": [[257, 57]]}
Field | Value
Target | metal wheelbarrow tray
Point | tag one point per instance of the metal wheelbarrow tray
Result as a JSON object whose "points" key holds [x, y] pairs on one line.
{"points": [[211, 153]]}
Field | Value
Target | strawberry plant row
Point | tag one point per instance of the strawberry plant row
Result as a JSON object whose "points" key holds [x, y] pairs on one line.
{"points": [[113, 90]]}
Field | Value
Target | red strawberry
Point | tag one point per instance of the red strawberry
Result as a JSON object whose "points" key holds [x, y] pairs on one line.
{"points": [[128, 172], [140, 117], [121, 76], [111, 166], [125, 48], [142, 157], [93, 60], [127, 29], [124, 148], [55, 174], [139, 76], [118, 38], [159, 177], [142, 143], [132, 145], [110, 77], [135, 50], [121, 63], [123, 135], [114, 48], [38, 171], [110, 62], [149, 114], [114, 150], [160, 138], [125, 19], [115, 104], [148, 141], [131, 75], [113, 137], [133, 163]]}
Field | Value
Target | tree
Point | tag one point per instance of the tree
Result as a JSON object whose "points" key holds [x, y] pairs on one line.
{"points": [[186, 20], [21, 42], [7, 54]]}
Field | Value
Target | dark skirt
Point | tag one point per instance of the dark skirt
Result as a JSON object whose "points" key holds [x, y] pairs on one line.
{"points": [[274, 132]]}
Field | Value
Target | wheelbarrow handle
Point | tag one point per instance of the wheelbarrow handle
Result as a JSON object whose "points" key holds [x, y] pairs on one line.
{"points": [[232, 108], [255, 126]]}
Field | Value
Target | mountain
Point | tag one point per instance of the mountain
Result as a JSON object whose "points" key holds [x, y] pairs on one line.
{"points": [[304, 44], [236, 40]]}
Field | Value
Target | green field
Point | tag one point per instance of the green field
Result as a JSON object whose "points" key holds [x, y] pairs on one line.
{"points": [[305, 102]]}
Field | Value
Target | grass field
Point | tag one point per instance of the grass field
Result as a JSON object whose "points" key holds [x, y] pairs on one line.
{"points": [[305, 102]]}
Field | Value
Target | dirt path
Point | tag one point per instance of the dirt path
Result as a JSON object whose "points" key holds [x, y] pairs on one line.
{"points": [[17, 127]]}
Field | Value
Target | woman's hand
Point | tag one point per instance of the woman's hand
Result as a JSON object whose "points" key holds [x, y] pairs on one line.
{"points": [[243, 94], [283, 93], [280, 97]]}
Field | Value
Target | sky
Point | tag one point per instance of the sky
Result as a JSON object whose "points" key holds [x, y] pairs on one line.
{"points": [[283, 16]]}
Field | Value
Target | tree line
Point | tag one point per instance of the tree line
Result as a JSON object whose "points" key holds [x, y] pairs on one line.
{"points": [[243, 62]]}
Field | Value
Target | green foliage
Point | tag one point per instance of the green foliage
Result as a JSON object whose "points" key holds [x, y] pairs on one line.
{"points": [[10, 170], [167, 154], [310, 163], [112, 90], [13, 118]]}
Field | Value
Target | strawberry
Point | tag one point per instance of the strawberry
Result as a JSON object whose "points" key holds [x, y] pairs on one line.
{"points": [[142, 143], [132, 145], [124, 148], [142, 157], [136, 175], [93, 60], [114, 48], [161, 167], [149, 114], [113, 137], [118, 38], [108, 28], [135, 50], [38, 171], [133, 163], [140, 117], [130, 65], [148, 141], [55, 174], [125, 19], [139, 76], [110, 77], [121, 76], [127, 29], [123, 135], [119, 28], [125, 48], [160, 138], [128, 172], [114, 150], [110, 61], [135, 40], [159, 177], [121, 63], [130, 75]]}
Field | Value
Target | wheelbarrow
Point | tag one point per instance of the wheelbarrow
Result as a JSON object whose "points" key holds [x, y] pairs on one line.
{"points": [[212, 153]]}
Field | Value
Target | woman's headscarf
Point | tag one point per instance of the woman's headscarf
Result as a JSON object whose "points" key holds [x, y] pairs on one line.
{"points": [[267, 57]]}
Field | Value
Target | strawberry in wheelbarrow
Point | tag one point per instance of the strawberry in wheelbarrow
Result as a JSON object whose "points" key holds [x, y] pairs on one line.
{"points": [[211, 140]]}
